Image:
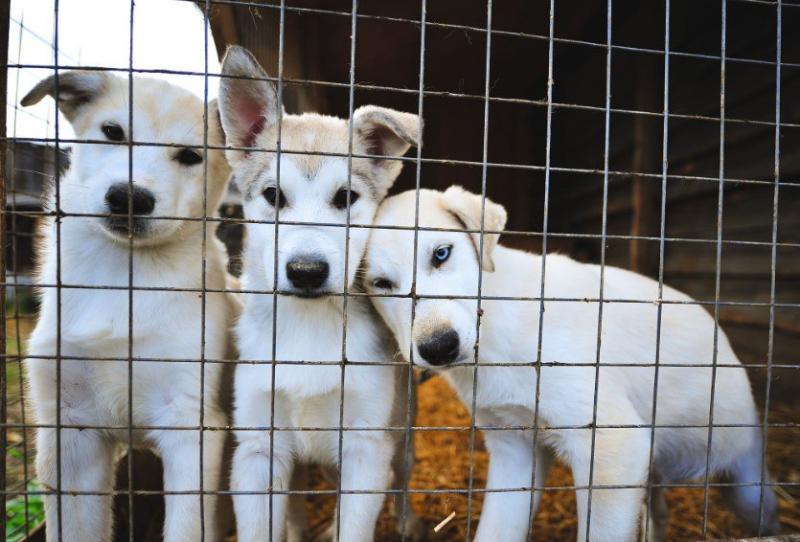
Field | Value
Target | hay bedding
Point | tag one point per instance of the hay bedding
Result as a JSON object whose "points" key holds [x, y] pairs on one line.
{"points": [[443, 462]]}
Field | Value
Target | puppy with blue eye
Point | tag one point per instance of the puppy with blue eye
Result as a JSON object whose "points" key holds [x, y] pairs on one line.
{"points": [[312, 190], [442, 335]]}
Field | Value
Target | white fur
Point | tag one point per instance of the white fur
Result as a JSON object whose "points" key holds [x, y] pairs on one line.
{"points": [[509, 333], [309, 330], [94, 323]]}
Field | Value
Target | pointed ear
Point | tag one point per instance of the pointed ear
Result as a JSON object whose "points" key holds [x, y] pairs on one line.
{"points": [[75, 89], [214, 122], [248, 104], [379, 131], [467, 207]]}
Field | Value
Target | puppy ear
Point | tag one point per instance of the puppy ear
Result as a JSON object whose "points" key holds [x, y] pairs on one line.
{"points": [[75, 89], [467, 207], [248, 103], [385, 132], [214, 121], [379, 131]]}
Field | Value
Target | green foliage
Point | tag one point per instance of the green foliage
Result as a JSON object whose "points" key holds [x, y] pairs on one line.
{"points": [[16, 517]]}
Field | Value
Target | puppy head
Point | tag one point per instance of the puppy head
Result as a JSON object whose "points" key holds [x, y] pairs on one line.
{"points": [[164, 177], [308, 192], [447, 264]]}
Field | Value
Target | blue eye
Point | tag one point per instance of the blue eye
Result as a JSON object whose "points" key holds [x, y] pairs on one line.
{"points": [[441, 254]]}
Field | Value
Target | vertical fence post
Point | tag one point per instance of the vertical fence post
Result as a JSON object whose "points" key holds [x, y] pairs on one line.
{"points": [[4, 21]]}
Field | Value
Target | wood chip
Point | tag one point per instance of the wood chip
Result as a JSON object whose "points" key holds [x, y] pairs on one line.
{"points": [[444, 522]]}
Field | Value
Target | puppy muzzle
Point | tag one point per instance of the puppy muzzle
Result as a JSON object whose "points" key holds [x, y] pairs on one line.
{"points": [[440, 348]]}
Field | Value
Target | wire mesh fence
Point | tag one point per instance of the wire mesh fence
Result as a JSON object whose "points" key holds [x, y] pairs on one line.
{"points": [[659, 138]]}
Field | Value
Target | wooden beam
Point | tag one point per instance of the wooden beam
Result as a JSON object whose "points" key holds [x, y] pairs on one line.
{"points": [[223, 26], [5, 11], [644, 193]]}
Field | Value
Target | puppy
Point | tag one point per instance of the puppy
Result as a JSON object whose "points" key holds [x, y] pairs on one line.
{"points": [[311, 259], [83, 338], [444, 336]]}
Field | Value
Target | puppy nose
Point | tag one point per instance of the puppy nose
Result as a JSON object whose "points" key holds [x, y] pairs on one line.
{"points": [[440, 349], [142, 201], [307, 273]]}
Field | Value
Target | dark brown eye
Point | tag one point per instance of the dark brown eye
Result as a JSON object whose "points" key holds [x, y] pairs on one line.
{"points": [[340, 198], [275, 196], [382, 283], [189, 157], [113, 132]]}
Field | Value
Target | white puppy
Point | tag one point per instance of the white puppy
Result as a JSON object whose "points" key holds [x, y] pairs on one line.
{"points": [[443, 334], [314, 263], [77, 324]]}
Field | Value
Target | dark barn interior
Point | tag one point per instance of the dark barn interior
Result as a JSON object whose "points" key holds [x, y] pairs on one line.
{"points": [[737, 201], [595, 163], [388, 71]]}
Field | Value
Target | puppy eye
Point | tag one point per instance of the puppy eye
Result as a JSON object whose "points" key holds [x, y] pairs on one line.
{"points": [[340, 198], [441, 254], [382, 283], [189, 157], [275, 197], [113, 132]]}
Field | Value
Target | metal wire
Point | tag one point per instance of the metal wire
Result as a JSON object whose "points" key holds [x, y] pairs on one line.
{"points": [[773, 261], [718, 262], [407, 429], [661, 247], [484, 172], [413, 491], [604, 228]]}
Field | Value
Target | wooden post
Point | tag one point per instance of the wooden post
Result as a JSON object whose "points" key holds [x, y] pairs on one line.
{"points": [[4, 21], [644, 208]]}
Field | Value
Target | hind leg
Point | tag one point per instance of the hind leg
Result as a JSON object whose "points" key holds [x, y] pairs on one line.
{"points": [[750, 497]]}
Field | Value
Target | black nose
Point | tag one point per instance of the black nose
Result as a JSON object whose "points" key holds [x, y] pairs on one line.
{"points": [[142, 201], [307, 273], [440, 349]]}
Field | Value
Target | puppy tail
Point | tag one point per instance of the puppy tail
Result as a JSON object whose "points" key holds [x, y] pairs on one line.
{"points": [[747, 498]]}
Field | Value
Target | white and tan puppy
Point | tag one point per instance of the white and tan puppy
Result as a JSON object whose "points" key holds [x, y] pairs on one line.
{"points": [[77, 324], [310, 262], [443, 335]]}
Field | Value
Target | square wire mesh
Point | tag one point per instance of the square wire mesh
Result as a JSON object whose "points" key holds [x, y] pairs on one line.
{"points": [[20, 211]]}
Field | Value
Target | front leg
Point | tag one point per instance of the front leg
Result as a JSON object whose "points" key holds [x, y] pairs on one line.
{"points": [[366, 466], [510, 466], [180, 454], [620, 459], [256, 462], [86, 466]]}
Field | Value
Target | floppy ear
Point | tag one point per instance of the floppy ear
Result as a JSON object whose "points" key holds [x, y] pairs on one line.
{"points": [[248, 103], [75, 89], [379, 131], [467, 206]]}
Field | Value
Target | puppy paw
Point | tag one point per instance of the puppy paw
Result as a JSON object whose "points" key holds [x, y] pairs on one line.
{"points": [[413, 528], [297, 534], [329, 534]]}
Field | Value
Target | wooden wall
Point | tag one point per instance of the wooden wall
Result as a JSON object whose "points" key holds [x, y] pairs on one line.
{"points": [[317, 47]]}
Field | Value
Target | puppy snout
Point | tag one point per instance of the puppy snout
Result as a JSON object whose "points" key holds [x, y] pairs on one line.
{"points": [[440, 348], [120, 199], [307, 273]]}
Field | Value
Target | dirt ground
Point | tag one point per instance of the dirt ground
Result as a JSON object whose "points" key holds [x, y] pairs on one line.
{"points": [[442, 462]]}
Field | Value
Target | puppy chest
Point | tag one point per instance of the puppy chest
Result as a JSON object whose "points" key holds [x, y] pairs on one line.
{"points": [[315, 423]]}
